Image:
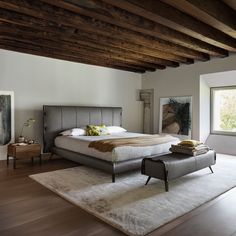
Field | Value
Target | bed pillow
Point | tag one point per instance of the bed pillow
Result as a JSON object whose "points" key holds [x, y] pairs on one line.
{"points": [[104, 130], [93, 130], [115, 129], [74, 132]]}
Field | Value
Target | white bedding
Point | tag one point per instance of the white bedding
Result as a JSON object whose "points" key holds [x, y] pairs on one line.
{"points": [[80, 144]]}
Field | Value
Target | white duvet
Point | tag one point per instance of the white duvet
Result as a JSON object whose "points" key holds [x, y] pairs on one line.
{"points": [[80, 144]]}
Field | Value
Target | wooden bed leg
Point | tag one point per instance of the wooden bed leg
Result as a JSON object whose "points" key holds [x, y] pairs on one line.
{"points": [[50, 157], [113, 178]]}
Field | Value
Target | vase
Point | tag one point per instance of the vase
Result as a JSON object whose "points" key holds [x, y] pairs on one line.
{"points": [[21, 139]]}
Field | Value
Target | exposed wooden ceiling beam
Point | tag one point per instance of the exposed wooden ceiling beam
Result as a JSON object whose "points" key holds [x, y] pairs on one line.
{"points": [[72, 59], [18, 32], [40, 51], [75, 49], [70, 32], [169, 16], [57, 15], [134, 47], [215, 12], [158, 57], [108, 13], [230, 3], [132, 35]]}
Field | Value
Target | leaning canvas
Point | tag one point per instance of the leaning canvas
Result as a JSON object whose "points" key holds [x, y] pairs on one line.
{"points": [[175, 116], [6, 117]]}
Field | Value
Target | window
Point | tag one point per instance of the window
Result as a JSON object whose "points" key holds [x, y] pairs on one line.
{"points": [[223, 110]]}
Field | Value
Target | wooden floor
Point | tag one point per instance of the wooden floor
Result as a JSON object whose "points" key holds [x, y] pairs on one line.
{"points": [[27, 208]]}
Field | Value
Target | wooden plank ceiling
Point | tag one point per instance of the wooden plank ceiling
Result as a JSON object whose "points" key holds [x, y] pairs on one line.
{"points": [[131, 35]]}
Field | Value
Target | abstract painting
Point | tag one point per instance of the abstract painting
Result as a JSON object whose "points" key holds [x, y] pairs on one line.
{"points": [[175, 116], [6, 117]]}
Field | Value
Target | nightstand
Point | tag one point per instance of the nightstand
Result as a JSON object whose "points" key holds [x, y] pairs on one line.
{"points": [[23, 151]]}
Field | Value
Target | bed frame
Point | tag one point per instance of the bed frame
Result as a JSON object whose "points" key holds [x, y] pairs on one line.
{"points": [[59, 118]]}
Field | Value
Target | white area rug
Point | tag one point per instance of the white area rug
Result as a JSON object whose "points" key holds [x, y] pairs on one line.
{"points": [[132, 207]]}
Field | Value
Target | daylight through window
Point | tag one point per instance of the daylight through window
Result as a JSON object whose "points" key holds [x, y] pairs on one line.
{"points": [[223, 110]]}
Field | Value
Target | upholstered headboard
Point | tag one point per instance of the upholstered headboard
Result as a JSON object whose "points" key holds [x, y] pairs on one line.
{"points": [[59, 118]]}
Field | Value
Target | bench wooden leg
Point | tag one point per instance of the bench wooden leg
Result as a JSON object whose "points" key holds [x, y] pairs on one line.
{"points": [[166, 178], [7, 160], [211, 169], [149, 177]]}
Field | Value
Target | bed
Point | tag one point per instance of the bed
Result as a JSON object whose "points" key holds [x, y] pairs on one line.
{"points": [[75, 148]]}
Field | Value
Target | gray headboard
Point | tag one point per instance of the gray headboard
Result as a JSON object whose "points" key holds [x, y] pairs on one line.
{"points": [[59, 118]]}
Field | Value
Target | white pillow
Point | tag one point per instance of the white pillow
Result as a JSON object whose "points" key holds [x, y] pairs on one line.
{"points": [[74, 132], [115, 129]]}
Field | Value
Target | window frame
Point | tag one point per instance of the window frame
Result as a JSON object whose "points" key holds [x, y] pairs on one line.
{"points": [[212, 131]]}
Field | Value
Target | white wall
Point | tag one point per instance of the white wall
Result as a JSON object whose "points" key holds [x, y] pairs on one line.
{"points": [[183, 81], [204, 110], [39, 80], [221, 143]]}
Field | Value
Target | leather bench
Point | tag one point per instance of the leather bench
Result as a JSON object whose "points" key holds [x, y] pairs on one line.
{"points": [[174, 165]]}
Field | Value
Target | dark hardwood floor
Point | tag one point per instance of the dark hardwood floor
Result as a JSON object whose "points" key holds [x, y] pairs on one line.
{"points": [[27, 208]]}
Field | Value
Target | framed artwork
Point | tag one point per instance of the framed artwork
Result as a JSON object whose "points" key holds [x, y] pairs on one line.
{"points": [[176, 116], [6, 117]]}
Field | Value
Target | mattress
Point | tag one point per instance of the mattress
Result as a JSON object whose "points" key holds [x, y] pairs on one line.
{"points": [[80, 144]]}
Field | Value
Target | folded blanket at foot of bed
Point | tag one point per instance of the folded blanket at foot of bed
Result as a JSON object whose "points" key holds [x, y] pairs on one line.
{"points": [[193, 151], [107, 145]]}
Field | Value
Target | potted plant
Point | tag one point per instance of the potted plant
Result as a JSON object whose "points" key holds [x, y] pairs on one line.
{"points": [[29, 124]]}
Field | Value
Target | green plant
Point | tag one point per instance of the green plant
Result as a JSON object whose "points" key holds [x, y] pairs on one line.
{"points": [[28, 123], [228, 110]]}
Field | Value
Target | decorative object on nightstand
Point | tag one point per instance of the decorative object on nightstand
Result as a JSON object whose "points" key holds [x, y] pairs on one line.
{"points": [[23, 151], [29, 124]]}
